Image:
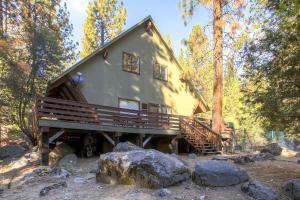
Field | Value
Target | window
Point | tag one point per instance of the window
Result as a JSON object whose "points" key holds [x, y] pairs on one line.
{"points": [[131, 63], [165, 109], [153, 107], [129, 104], [160, 72]]}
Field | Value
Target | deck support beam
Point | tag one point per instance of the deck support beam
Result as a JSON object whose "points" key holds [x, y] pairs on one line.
{"points": [[56, 135], [147, 140], [109, 138], [44, 147]]}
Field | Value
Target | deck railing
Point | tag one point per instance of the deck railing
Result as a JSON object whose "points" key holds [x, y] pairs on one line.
{"points": [[73, 111]]}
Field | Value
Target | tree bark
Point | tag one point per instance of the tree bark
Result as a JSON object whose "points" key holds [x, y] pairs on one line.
{"points": [[217, 118]]}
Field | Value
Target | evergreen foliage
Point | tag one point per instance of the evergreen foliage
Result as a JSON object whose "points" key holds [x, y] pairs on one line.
{"points": [[35, 49], [272, 65], [105, 20]]}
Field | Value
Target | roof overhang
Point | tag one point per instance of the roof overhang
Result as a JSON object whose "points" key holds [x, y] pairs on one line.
{"points": [[201, 106]]}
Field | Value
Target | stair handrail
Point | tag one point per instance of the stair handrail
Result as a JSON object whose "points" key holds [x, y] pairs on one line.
{"points": [[184, 120], [212, 137]]}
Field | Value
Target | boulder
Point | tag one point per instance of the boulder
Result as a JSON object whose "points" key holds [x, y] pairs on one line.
{"points": [[258, 191], [12, 151], [263, 157], [146, 168], [59, 152], [272, 148], [192, 156], [126, 146], [69, 161], [218, 173], [242, 160], [292, 189]]}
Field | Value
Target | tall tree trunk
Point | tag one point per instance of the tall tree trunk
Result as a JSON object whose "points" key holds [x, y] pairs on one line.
{"points": [[1, 19], [217, 118]]}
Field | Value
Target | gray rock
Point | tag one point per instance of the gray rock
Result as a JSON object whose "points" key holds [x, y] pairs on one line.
{"points": [[60, 173], [47, 189], [258, 191], [272, 148], [218, 173], [219, 158], [69, 160], [263, 157], [12, 151], [292, 189], [164, 192], [59, 152], [46, 171], [147, 168], [192, 156], [126, 146], [242, 160], [298, 161]]}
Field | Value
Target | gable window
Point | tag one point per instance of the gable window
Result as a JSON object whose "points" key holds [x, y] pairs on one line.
{"points": [[131, 63], [160, 72]]}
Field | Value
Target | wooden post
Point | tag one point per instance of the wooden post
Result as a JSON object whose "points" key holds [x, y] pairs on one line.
{"points": [[117, 137], [174, 144], [139, 140], [44, 147]]}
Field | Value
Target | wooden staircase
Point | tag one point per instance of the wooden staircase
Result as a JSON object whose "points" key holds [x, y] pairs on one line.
{"points": [[200, 136]]}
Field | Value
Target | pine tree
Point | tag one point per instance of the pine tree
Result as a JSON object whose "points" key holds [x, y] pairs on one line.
{"points": [[39, 46], [272, 66], [222, 13], [105, 20]]}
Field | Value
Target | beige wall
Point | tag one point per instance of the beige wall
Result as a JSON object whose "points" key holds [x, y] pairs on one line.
{"points": [[105, 81]]}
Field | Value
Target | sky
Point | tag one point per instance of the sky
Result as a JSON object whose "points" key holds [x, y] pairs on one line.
{"points": [[165, 14]]}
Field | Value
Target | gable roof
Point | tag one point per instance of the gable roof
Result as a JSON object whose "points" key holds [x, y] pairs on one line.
{"points": [[108, 44], [202, 102]]}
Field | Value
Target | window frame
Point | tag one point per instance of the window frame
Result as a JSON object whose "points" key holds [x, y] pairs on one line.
{"points": [[127, 99], [160, 66], [130, 71]]}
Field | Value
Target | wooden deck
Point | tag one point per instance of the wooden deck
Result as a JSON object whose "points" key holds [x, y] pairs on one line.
{"points": [[59, 113], [52, 117]]}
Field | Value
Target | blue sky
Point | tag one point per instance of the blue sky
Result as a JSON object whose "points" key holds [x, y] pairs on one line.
{"points": [[164, 12]]}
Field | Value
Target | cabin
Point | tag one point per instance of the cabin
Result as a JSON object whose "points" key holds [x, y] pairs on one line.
{"points": [[130, 89]]}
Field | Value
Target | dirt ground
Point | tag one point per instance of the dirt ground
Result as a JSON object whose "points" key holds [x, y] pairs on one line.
{"points": [[272, 173]]}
